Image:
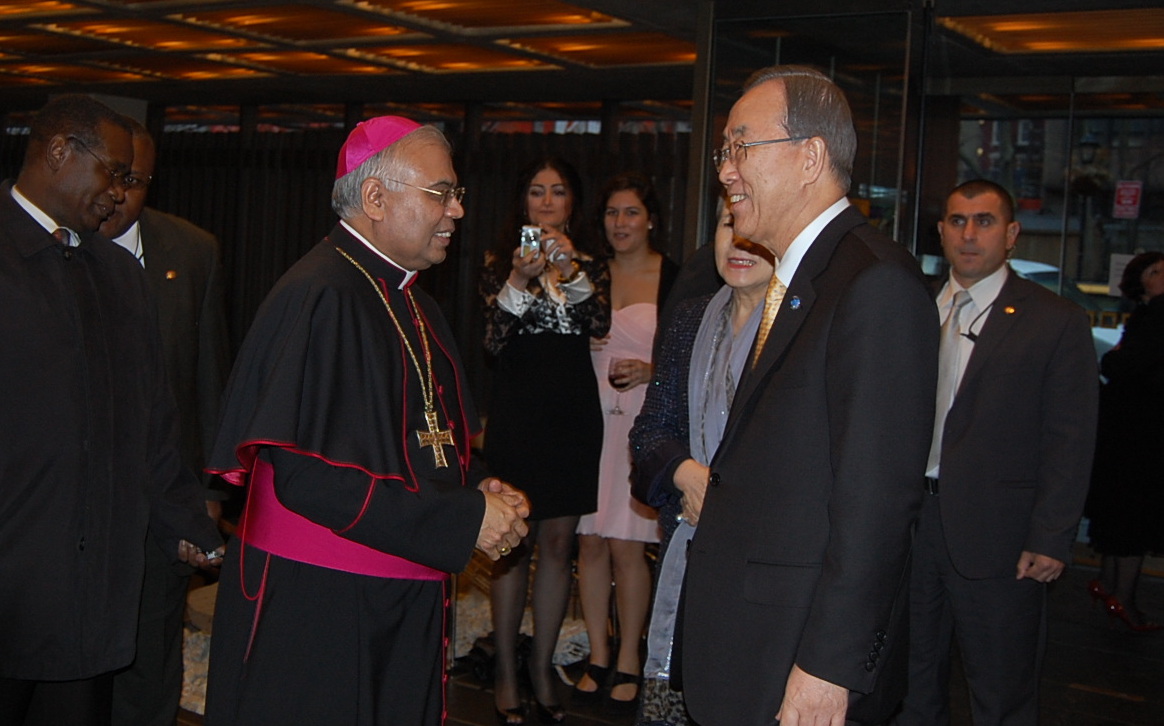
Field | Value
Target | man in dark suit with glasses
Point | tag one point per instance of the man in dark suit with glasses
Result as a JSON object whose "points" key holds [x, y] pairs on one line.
{"points": [[182, 265], [89, 453]]}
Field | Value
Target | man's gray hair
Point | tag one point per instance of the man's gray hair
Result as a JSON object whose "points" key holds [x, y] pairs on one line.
{"points": [[816, 107], [384, 165]]}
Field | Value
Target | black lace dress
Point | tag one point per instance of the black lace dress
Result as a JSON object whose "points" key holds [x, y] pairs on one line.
{"points": [[544, 430]]}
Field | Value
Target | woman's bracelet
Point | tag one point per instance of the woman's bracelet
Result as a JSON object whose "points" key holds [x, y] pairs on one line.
{"points": [[575, 269]]}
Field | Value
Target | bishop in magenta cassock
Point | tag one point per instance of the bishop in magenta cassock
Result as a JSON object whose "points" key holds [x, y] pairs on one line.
{"points": [[349, 418]]}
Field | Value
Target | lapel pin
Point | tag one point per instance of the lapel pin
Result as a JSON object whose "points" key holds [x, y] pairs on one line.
{"points": [[171, 274], [1008, 310], [794, 303]]}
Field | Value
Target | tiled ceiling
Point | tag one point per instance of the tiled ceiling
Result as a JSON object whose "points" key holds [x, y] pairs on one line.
{"points": [[521, 59], [254, 52], [1091, 31], [1097, 60]]}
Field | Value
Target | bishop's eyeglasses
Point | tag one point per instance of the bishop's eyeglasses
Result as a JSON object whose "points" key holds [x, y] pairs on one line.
{"points": [[447, 195], [738, 151]]}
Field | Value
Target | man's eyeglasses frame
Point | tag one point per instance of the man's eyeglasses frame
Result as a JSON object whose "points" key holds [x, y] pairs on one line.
{"points": [[738, 151], [127, 180]]}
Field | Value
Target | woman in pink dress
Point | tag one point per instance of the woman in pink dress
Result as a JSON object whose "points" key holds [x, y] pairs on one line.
{"points": [[613, 539]]}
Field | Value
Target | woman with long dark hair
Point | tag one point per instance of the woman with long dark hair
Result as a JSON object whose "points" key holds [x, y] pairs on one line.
{"points": [[543, 302], [612, 541]]}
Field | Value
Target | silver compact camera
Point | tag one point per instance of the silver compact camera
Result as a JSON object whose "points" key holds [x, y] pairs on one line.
{"points": [[531, 239]]}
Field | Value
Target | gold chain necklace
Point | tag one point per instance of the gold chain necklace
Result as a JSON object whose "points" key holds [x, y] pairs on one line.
{"points": [[435, 437]]}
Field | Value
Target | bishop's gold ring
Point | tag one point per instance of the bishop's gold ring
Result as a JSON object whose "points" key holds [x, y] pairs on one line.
{"points": [[505, 549]]}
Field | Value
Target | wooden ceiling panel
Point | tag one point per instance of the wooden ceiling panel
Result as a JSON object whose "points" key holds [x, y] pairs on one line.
{"points": [[451, 52], [152, 34], [450, 58], [33, 8], [621, 49], [1097, 31], [71, 73], [303, 63], [296, 23], [8, 80], [168, 5], [259, 51], [40, 43], [493, 14], [182, 68]]}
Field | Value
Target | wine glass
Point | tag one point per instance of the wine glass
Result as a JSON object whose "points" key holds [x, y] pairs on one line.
{"points": [[612, 374]]}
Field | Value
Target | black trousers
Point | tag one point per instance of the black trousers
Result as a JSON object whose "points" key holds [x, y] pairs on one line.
{"points": [[56, 703], [149, 691], [1000, 624]]}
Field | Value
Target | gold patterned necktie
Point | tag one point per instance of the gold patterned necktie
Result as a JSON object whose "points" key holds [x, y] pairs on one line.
{"points": [[772, 300]]}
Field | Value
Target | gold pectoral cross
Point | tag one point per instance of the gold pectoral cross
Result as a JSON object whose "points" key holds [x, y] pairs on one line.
{"points": [[436, 438]]}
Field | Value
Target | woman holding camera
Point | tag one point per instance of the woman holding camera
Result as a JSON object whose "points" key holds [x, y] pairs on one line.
{"points": [[545, 297], [612, 541]]}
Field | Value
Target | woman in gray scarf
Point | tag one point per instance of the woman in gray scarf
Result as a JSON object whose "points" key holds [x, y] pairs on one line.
{"points": [[701, 358]]}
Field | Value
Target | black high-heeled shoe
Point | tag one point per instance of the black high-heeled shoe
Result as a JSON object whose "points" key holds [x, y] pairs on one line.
{"points": [[617, 706], [549, 714], [598, 674]]}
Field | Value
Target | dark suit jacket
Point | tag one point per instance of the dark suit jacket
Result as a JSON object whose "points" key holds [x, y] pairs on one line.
{"points": [[89, 453], [185, 276], [1019, 437], [802, 550]]}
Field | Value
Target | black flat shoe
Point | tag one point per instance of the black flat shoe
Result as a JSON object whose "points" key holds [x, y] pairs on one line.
{"points": [[598, 674], [510, 716], [549, 714]]}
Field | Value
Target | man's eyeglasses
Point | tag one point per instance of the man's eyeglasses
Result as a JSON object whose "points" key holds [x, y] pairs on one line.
{"points": [[448, 196], [738, 151], [117, 178]]}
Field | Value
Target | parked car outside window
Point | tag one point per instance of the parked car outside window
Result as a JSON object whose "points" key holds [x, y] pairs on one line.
{"points": [[1105, 338]]}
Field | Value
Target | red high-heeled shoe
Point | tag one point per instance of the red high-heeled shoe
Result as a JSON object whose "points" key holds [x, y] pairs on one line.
{"points": [[1116, 609], [1097, 591]]}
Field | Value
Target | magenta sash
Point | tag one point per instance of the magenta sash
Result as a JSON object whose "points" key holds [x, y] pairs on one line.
{"points": [[271, 527]]}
